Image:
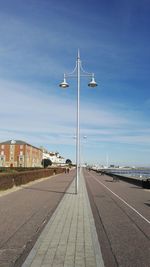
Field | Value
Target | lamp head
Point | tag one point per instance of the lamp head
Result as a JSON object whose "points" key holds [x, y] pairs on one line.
{"points": [[92, 83], [64, 84]]}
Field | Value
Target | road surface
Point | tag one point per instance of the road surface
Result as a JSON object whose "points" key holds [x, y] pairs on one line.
{"points": [[122, 216]]}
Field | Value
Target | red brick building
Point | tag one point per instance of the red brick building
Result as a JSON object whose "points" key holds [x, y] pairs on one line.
{"points": [[16, 153]]}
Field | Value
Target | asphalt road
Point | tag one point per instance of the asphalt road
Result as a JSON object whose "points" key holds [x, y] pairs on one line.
{"points": [[24, 213], [122, 217]]}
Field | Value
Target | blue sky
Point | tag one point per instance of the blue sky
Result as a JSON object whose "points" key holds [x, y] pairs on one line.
{"points": [[39, 42]]}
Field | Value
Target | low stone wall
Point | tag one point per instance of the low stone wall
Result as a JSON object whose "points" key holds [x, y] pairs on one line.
{"points": [[145, 183], [126, 179], [15, 179]]}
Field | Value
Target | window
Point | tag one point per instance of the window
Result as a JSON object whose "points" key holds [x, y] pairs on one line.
{"points": [[2, 152], [21, 157], [21, 146], [21, 153], [2, 146]]}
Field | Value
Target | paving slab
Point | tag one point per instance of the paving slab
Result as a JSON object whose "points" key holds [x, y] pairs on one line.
{"points": [[69, 239]]}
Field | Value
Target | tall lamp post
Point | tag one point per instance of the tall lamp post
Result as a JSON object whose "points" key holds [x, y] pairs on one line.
{"points": [[77, 73]]}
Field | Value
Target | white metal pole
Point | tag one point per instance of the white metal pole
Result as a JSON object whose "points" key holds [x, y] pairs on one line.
{"points": [[64, 84], [78, 122]]}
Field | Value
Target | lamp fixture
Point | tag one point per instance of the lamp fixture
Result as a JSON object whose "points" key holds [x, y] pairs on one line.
{"points": [[92, 83], [64, 84]]}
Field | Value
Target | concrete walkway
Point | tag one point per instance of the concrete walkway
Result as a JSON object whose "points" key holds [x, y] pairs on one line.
{"points": [[69, 238]]}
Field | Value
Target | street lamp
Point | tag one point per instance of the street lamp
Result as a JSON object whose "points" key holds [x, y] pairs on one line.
{"points": [[77, 73]]}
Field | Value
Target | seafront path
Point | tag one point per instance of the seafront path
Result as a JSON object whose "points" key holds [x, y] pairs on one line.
{"points": [[117, 235], [44, 223], [69, 238]]}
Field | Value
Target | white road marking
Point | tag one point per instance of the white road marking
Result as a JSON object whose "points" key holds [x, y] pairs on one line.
{"points": [[122, 200]]}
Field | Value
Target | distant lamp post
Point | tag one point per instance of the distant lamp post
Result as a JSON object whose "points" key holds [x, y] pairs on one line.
{"points": [[77, 73], [82, 138]]}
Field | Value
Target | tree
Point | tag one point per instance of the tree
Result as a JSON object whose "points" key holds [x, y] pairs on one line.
{"points": [[46, 162], [68, 161]]}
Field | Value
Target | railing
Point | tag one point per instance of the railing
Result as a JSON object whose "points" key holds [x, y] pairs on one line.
{"points": [[140, 177]]}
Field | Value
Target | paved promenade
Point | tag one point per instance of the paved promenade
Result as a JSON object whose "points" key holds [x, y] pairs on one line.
{"points": [[69, 238]]}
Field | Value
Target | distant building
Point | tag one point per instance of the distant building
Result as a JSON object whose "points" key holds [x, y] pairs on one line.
{"points": [[55, 157], [17, 153]]}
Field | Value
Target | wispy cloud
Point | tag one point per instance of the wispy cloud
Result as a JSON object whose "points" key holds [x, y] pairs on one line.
{"points": [[26, 114]]}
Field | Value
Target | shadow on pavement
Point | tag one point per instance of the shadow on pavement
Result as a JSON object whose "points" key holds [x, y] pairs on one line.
{"points": [[45, 190], [147, 204], [136, 187]]}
